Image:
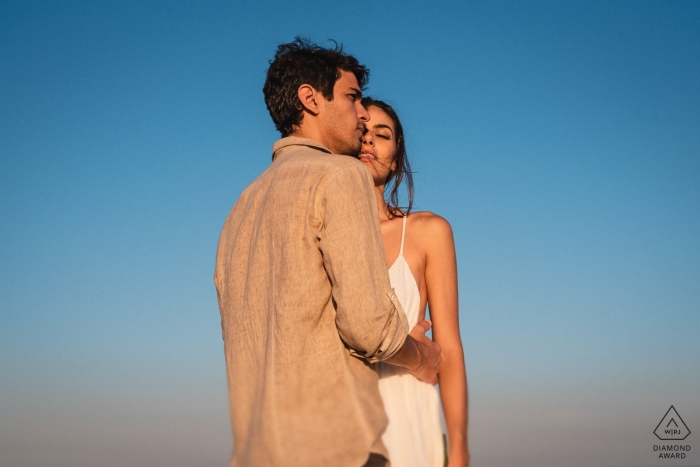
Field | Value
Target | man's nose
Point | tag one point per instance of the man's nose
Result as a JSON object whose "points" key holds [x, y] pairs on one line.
{"points": [[362, 113]]}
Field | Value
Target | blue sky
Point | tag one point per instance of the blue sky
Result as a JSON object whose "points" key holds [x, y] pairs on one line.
{"points": [[560, 139]]}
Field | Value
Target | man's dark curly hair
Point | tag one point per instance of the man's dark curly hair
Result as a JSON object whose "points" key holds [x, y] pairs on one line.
{"points": [[303, 62]]}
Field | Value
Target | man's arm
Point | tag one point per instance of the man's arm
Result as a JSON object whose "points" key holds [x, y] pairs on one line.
{"points": [[369, 317], [419, 355]]}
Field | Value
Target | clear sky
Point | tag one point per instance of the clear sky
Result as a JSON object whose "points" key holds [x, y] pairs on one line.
{"points": [[560, 139]]}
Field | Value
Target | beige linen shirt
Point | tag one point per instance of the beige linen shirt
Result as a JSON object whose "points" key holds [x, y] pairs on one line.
{"points": [[306, 306]]}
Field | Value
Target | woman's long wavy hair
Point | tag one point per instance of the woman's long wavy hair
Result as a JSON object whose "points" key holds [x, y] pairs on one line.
{"points": [[402, 171]]}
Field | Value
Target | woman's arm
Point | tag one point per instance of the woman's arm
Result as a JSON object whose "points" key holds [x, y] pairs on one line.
{"points": [[441, 284]]}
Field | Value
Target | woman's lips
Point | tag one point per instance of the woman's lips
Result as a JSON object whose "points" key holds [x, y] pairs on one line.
{"points": [[367, 156], [366, 150]]}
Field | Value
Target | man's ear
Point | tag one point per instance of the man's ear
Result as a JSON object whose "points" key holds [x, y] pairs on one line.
{"points": [[309, 98]]}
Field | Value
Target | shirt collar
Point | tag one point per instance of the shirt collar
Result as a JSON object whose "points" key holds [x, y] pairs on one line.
{"points": [[284, 145]]}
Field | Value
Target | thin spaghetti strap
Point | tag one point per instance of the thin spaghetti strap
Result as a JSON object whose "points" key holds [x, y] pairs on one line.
{"points": [[403, 234]]}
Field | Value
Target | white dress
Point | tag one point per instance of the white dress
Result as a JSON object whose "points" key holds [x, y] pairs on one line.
{"points": [[413, 436]]}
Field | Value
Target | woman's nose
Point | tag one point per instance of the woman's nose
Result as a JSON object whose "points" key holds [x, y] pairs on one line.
{"points": [[367, 138]]}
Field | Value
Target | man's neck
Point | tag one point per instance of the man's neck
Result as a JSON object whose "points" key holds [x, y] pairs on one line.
{"points": [[314, 134]]}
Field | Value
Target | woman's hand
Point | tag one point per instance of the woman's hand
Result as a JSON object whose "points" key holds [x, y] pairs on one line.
{"points": [[459, 460]]}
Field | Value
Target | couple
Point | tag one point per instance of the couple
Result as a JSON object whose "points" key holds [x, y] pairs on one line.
{"points": [[327, 360]]}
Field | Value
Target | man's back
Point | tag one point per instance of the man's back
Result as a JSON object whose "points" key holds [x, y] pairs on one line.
{"points": [[303, 286]]}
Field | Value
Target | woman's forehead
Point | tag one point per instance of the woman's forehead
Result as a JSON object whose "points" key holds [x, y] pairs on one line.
{"points": [[379, 119]]}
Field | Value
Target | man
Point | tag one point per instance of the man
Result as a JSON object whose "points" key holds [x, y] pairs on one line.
{"points": [[304, 294]]}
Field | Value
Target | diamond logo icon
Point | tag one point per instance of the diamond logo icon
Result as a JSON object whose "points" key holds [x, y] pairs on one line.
{"points": [[672, 427]]}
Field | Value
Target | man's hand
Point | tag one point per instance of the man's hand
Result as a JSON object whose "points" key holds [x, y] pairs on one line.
{"points": [[419, 355], [429, 351]]}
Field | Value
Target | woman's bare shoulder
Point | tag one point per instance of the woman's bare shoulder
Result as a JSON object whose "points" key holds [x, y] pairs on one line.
{"points": [[426, 223]]}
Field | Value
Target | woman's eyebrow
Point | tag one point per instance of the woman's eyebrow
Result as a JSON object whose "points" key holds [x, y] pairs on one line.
{"points": [[381, 125]]}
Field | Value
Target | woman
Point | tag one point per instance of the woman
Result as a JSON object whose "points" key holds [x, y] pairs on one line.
{"points": [[420, 249]]}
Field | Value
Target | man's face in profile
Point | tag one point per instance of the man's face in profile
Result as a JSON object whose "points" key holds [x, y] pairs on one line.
{"points": [[344, 117]]}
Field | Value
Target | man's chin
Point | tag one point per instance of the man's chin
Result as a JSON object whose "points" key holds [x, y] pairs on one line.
{"points": [[354, 150]]}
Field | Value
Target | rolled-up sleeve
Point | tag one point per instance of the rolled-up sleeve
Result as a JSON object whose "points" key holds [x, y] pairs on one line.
{"points": [[369, 317]]}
